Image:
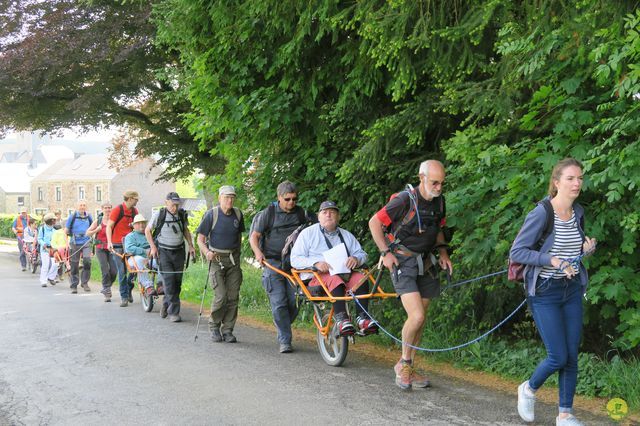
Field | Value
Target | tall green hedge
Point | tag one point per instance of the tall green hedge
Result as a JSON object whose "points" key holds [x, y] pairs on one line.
{"points": [[347, 98]]}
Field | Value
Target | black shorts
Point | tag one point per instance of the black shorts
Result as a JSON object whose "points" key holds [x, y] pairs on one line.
{"points": [[407, 280]]}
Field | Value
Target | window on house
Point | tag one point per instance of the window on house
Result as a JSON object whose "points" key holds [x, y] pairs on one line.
{"points": [[80, 193], [21, 201], [58, 193], [40, 212], [98, 193], [40, 194]]}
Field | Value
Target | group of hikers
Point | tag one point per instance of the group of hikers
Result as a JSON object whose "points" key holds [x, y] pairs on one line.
{"points": [[408, 231]]}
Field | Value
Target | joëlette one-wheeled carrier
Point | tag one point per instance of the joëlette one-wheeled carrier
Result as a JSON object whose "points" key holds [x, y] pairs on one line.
{"points": [[147, 300], [332, 346]]}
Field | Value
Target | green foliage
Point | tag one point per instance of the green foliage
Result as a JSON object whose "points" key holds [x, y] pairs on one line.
{"points": [[6, 221]]}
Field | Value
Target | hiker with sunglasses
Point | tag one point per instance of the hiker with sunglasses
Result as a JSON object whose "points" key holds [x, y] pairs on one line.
{"points": [[407, 230], [269, 231], [166, 233]]}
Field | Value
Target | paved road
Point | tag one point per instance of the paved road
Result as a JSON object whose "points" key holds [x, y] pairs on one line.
{"points": [[74, 360]]}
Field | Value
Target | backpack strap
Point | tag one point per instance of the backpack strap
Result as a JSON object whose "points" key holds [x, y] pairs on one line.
{"points": [[162, 216], [548, 227]]}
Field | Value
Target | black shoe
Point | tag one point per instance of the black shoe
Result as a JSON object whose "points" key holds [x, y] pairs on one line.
{"points": [[286, 348], [24, 269], [130, 298], [216, 336], [163, 311], [229, 338], [44, 285], [52, 282]]}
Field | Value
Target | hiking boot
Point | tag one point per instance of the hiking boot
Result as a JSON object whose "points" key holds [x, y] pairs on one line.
{"points": [[403, 375], [229, 337], [418, 380], [526, 403], [44, 284], [107, 297], [130, 297], [52, 282], [163, 311], [150, 291], [366, 326], [124, 303], [571, 420], [24, 269], [85, 287], [175, 318], [286, 348], [216, 336], [74, 290]]}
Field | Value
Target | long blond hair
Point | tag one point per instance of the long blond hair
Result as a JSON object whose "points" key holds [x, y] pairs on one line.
{"points": [[556, 173]]}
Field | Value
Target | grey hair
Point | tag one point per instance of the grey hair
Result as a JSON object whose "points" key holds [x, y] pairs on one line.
{"points": [[287, 187], [425, 165]]}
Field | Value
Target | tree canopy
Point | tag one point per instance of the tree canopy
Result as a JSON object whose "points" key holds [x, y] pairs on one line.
{"points": [[346, 98]]}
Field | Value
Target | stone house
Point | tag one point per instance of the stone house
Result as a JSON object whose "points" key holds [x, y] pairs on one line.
{"points": [[90, 178]]}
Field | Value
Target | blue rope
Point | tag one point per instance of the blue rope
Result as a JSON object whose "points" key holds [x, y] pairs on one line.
{"points": [[459, 283], [573, 262]]}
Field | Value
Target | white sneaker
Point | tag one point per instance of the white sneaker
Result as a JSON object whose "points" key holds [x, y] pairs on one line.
{"points": [[568, 421], [526, 404]]}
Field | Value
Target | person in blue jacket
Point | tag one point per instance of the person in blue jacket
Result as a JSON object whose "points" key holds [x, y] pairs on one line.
{"points": [[136, 244], [49, 269], [79, 245], [555, 283]]}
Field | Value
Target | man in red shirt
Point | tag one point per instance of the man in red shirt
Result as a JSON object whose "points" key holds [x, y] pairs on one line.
{"points": [[407, 230], [118, 226]]}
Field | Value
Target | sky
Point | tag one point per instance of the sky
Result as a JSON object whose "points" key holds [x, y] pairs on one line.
{"points": [[101, 135]]}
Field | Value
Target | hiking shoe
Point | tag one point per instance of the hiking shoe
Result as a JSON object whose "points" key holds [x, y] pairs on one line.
{"points": [[163, 311], [418, 380], [85, 287], [286, 348], [24, 269], [345, 328], [568, 421], [526, 404], [52, 282], [124, 303], [403, 375], [366, 326], [150, 291], [175, 318], [44, 284], [229, 338], [74, 290], [107, 298], [130, 297], [216, 336]]}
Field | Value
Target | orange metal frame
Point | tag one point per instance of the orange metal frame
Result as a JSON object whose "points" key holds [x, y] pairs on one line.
{"points": [[294, 278], [134, 269]]}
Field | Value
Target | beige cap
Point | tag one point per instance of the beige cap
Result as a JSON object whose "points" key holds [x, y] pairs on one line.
{"points": [[131, 194], [227, 190], [48, 216], [139, 218]]}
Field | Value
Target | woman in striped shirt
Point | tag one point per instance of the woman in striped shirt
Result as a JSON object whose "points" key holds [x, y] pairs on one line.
{"points": [[555, 283]]}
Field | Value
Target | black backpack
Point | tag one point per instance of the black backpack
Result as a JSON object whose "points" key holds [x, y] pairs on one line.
{"points": [[162, 217], [73, 220]]}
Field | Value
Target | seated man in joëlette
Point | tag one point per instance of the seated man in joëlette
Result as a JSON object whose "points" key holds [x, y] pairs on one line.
{"points": [[307, 252]]}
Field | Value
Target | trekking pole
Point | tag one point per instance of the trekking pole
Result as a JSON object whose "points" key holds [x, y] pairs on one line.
{"points": [[204, 291]]}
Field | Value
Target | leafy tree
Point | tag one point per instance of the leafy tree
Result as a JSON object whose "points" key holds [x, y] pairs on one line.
{"points": [[71, 63]]}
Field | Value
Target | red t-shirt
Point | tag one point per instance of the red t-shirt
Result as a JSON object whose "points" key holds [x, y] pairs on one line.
{"points": [[123, 227]]}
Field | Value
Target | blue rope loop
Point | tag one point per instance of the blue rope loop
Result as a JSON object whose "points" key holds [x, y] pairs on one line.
{"points": [[477, 339]]}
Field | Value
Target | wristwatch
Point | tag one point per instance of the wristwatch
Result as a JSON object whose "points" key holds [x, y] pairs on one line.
{"points": [[383, 253]]}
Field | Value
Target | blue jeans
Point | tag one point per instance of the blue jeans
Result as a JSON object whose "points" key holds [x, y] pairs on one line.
{"points": [[124, 281], [557, 311], [282, 298]]}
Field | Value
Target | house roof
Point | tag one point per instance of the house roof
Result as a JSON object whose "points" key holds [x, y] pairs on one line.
{"points": [[85, 167]]}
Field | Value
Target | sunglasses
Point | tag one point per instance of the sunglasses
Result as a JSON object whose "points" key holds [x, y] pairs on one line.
{"points": [[291, 199]]}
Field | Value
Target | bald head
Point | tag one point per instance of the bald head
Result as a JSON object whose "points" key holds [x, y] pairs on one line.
{"points": [[431, 179]]}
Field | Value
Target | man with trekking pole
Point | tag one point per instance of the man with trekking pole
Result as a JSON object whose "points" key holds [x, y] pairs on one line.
{"points": [[219, 238], [166, 234]]}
